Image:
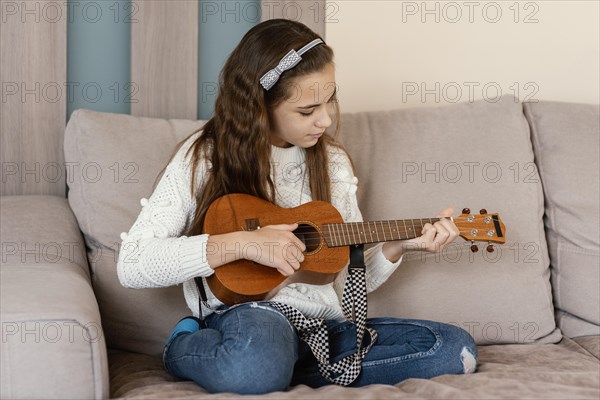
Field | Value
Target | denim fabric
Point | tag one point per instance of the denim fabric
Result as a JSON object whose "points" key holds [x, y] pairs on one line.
{"points": [[252, 349]]}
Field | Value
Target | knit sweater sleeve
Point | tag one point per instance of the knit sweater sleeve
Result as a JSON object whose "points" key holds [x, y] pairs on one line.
{"points": [[343, 196], [154, 253]]}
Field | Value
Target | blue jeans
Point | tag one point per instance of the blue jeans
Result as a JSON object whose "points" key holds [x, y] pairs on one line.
{"points": [[252, 349]]}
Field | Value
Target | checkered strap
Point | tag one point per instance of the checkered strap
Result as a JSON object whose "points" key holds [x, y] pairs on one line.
{"points": [[354, 306]]}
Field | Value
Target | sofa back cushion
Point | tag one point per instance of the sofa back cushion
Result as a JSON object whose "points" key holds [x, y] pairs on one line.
{"points": [[566, 139], [413, 163], [114, 160]]}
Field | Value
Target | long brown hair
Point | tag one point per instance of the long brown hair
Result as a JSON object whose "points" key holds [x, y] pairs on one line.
{"points": [[236, 140]]}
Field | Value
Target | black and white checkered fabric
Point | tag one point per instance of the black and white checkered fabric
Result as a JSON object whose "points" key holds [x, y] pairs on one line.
{"points": [[314, 330]]}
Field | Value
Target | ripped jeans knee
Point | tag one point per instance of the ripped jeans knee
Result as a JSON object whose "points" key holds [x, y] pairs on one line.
{"points": [[469, 361]]}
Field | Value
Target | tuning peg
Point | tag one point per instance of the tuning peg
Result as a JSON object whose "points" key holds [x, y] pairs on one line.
{"points": [[483, 211], [474, 247], [490, 248], [466, 211]]}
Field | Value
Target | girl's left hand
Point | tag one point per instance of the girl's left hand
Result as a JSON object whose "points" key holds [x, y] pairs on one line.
{"points": [[434, 238]]}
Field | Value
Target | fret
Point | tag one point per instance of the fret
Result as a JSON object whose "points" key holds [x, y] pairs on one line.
{"points": [[376, 231], [364, 238], [398, 230], [390, 228], [338, 238], [371, 232], [405, 229], [333, 235], [413, 224], [353, 235], [347, 234], [342, 235]]}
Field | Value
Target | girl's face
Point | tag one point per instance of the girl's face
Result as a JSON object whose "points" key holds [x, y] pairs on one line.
{"points": [[301, 119]]}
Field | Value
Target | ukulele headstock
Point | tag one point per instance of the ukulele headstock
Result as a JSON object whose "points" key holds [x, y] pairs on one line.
{"points": [[482, 227]]}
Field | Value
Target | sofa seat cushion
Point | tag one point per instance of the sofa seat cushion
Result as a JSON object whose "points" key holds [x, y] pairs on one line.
{"points": [[52, 340], [590, 343], [533, 371]]}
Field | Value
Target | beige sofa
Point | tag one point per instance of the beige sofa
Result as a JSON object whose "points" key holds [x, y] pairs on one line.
{"points": [[69, 330]]}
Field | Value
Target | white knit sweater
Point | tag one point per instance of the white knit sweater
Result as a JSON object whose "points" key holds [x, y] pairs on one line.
{"points": [[154, 253]]}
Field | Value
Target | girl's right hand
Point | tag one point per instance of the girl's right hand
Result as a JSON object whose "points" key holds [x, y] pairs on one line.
{"points": [[274, 246]]}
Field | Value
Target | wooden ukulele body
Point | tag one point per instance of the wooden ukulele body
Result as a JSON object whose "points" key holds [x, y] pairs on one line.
{"points": [[245, 280]]}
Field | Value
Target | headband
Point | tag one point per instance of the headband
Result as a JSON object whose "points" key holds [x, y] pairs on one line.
{"points": [[289, 61]]}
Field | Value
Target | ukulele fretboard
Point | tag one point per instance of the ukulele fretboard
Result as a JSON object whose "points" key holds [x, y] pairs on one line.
{"points": [[347, 234]]}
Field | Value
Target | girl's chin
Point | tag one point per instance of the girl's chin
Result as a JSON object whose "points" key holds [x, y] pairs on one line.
{"points": [[310, 143]]}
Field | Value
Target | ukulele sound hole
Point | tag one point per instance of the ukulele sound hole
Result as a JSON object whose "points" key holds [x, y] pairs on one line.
{"points": [[309, 235]]}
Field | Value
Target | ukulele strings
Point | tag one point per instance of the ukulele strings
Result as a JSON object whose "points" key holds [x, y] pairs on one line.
{"points": [[308, 234]]}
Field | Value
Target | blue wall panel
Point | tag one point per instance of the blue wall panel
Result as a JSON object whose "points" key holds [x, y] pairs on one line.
{"points": [[222, 26], [99, 55]]}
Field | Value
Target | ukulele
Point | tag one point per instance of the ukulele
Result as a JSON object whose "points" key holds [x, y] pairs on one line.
{"points": [[326, 236]]}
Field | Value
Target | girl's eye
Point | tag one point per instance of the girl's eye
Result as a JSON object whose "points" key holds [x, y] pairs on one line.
{"points": [[307, 114]]}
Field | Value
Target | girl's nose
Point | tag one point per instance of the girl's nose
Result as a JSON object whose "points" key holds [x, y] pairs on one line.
{"points": [[324, 120]]}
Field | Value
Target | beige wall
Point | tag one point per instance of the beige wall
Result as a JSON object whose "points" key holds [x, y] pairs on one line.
{"points": [[387, 57]]}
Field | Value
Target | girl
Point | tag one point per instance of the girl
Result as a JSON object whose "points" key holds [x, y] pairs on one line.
{"points": [[268, 138]]}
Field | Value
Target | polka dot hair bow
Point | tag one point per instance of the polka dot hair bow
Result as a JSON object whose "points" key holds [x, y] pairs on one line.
{"points": [[289, 61]]}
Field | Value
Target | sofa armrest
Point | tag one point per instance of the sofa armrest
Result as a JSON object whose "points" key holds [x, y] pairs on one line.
{"points": [[52, 340]]}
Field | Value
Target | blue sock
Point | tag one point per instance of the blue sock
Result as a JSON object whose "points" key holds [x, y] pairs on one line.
{"points": [[185, 325]]}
